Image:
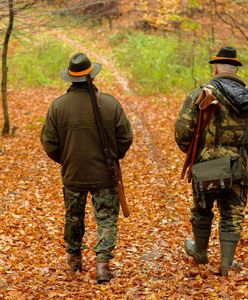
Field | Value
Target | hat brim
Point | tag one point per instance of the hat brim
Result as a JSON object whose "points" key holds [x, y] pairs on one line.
{"points": [[226, 61], [69, 78]]}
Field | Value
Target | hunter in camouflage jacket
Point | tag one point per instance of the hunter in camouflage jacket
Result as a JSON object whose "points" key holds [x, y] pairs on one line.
{"points": [[224, 133], [222, 137]]}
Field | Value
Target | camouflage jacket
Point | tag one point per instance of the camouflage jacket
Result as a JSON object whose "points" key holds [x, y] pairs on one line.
{"points": [[70, 137], [224, 133]]}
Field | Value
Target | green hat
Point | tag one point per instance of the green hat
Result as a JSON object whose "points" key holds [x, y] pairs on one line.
{"points": [[226, 55], [79, 66]]}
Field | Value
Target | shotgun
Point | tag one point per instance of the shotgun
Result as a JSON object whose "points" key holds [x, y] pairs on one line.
{"points": [[207, 104], [113, 166]]}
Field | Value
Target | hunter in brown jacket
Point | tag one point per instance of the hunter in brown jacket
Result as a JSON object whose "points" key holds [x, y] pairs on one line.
{"points": [[70, 137]]}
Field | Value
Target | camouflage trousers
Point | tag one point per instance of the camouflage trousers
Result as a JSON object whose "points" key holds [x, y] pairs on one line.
{"points": [[106, 210], [231, 205]]}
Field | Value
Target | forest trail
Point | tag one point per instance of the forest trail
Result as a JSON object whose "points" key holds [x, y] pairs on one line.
{"points": [[149, 262]]}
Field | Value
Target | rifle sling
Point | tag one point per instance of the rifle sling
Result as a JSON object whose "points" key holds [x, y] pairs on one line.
{"points": [[99, 124]]}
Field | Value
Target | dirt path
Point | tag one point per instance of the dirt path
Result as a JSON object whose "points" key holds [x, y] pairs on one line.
{"points": [[121, 80], [150, 180], [149, 260]]}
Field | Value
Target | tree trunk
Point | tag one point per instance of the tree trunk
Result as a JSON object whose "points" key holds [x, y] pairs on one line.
{"points": [[6, 124], [193, 61]]}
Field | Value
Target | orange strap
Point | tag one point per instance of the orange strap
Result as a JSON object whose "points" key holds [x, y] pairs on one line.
{"points": [[81, 73], [195, 143], [227, 58]]}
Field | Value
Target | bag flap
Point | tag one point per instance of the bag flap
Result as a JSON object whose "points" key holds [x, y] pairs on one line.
{"points": [[212, 169]]}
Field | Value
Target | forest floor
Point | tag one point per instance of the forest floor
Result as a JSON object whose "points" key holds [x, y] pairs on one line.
{"points": [[149, 262]]}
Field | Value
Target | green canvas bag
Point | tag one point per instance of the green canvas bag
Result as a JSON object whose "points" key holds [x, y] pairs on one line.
{"points": [[213, 175], [217, 175]]}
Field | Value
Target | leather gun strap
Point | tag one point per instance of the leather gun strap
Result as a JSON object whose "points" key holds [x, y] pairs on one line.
{"points": [[195, 145], [201, 126]]}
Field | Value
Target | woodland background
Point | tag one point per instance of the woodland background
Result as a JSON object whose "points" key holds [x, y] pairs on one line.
{"points": [[153, 53]]}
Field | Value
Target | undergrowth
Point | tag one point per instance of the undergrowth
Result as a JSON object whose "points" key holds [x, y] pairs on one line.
{"points": [[159, 64], [154, 64], [38, 62]]}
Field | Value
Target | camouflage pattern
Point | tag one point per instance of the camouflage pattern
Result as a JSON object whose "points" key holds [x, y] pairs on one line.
{"points": [[223, 136], [231, 205], [74, 218], [187, 121], [106, 210]]}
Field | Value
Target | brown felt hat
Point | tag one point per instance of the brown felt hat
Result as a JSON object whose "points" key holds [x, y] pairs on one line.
{"points": [[226, 55], [79, 66]]}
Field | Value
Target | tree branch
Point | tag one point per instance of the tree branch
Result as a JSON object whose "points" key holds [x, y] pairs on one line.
{"points": [[233, 23]]}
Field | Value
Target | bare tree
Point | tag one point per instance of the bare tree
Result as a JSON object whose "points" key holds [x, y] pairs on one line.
{"points": [[6, 125], [9, 10]]}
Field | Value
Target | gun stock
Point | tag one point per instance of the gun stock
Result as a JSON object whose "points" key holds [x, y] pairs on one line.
{"points": [[188, 157], [120, 190], [208, 104]]}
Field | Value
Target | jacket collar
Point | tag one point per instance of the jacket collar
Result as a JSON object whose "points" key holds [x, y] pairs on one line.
{"points": [[80, 86], [230, 76]]}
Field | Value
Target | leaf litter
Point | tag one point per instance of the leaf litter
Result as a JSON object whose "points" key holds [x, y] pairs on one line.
{"points": [[149, 262]]}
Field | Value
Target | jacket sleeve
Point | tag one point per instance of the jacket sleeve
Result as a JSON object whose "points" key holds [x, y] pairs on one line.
{"points": [[123, 131], [50, 136], [187, 121]]}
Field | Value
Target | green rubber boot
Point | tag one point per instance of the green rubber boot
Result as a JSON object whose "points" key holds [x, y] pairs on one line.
{"points": [[228, 244], [198, 248], [197, 252]]}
